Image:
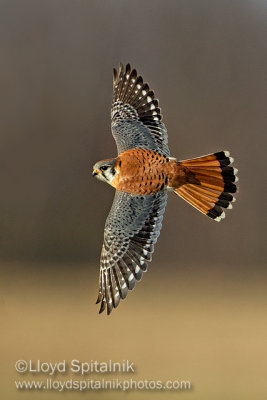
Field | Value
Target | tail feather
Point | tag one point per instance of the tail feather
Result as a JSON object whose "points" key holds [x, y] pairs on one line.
{"points": [[214, 182]]}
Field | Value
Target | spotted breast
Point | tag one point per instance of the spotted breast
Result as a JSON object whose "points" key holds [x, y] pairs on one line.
{"points": [[144, 171]]}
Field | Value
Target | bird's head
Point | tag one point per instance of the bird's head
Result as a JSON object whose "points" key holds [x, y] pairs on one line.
{"points": [[105, 170]]}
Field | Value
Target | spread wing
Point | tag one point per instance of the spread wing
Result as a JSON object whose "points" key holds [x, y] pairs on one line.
{"points": [[132, 228], [135, 115]]}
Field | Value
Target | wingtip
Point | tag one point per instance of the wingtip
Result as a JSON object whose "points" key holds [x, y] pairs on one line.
{"points": [[102, 307], [98, 298], [115, 74], [121, 69], [128, 68]]}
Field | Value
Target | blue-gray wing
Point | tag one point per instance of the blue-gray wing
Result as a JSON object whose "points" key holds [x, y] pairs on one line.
{"points": [[132, 228], [135, 114]]}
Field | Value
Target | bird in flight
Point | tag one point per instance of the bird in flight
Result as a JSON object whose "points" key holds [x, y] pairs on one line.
{"points": [[143, 173]]}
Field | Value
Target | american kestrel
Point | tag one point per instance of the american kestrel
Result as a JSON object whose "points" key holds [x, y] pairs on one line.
{"points": [[143, 173]]}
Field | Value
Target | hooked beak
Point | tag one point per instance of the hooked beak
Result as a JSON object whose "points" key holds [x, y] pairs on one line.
{"points": [[95, 172]]}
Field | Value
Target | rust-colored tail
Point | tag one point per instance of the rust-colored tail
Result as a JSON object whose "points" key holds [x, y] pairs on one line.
{"points": [[214, 182]]}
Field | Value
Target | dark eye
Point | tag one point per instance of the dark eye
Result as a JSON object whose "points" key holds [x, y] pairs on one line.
{"points": [[104, 168]]}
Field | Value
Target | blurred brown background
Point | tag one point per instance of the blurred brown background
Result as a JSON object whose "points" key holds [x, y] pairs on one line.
{"points": [[200, 311]]}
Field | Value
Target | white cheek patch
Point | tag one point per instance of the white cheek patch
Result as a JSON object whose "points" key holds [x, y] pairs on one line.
{"points": [[107, 175]]}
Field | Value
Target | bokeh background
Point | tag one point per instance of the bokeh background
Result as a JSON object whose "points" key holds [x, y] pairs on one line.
{"points": [[200, 312]]}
